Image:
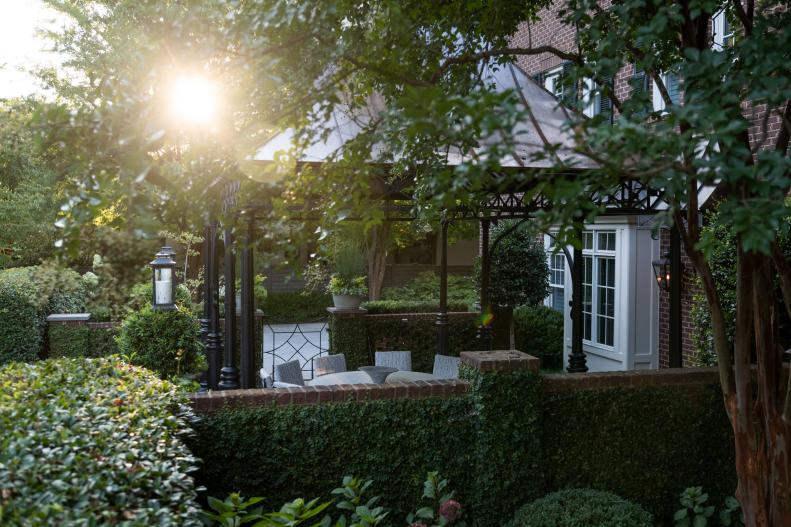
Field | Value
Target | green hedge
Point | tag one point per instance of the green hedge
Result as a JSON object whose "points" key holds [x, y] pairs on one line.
{"points": [[106, 447], [70, 340], [356, 336], [645, 444], [291, 308], [284, 452], [581, 507], [538, 331], [378, 307], [425, 288], [27, 296]]}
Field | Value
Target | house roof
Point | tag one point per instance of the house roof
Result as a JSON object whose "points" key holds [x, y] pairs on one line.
{"points": [[544, 126]]}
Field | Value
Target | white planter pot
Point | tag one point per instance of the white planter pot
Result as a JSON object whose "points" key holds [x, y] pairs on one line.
{"points": [[346, 301]]}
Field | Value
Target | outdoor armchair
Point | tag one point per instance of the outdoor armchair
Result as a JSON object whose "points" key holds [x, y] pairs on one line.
{"points": [[329, 364], [290, 373], [446, 367], [401, 360]]}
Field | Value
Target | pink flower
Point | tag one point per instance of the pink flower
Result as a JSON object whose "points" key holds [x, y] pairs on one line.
{"points": [[450, 510]]}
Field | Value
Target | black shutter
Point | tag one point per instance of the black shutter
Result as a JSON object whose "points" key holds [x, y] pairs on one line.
{"points": [[539, 78], [569, 94], [605, 102], [639, 83]]}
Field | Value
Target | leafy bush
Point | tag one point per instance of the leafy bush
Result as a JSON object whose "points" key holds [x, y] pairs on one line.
{"points": [[105, 448], [425, 287], [581, 508], [167, 342], [695, 512], [539, 331], [296, 307], [27, 296], [355, 509], [376, 307]]}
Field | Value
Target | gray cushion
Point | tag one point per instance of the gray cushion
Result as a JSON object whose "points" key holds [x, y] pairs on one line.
{"points": [[329, 364], [290, 372], [401, 360], [446, 367]]}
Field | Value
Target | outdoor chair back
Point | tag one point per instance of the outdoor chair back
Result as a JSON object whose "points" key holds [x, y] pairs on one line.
{"points": [[290, 373], [329, 364], [266, 379], [401, 360], [446, 367]]}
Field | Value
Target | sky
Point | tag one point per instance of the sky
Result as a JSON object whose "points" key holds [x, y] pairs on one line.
{"points": [[21, 48]]}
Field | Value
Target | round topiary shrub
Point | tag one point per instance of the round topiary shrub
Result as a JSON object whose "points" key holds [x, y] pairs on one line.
{"points": [[581, 508], [167, 342]]}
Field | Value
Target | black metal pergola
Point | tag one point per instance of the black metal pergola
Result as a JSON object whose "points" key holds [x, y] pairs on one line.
{"points": [[630, 197]]}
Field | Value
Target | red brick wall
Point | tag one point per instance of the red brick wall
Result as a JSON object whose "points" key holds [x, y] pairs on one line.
{"points": [[688, 290]]}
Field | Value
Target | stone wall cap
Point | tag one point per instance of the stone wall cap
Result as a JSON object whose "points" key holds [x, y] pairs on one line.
{"points": [[69, 317], [500, 360], [339, 311]]}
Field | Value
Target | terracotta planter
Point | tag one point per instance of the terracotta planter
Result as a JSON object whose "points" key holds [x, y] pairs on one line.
{"points": [[346, 301]]}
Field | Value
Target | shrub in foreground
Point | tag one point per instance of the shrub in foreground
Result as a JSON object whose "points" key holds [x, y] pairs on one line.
{"points": [[581, 508], [352, 508], [92, 442], [167, 342]]}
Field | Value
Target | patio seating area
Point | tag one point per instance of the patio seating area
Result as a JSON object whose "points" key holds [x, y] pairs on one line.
{"points": [[390, 367]]}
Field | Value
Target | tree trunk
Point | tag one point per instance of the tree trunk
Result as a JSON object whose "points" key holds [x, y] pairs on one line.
{"points": [[761, 433], [379, 243]]}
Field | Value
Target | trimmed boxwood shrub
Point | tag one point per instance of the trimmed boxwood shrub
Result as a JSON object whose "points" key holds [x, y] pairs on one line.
{"points": [[539, 331], [425, 288], [167, 342], [70, 340], [581, 508], [93, 442]]}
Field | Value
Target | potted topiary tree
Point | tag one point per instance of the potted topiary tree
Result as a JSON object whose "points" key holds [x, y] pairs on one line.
{"points": [[348, 281]]}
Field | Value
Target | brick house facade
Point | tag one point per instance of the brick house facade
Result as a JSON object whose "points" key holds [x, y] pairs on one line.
{"points": [[550, 30]]}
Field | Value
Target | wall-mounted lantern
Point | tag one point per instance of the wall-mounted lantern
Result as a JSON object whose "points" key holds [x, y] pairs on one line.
{"points": [[163, 278], [662, 272]]}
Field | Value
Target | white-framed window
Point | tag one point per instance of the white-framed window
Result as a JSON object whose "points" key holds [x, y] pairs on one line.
{"points": [[552, 81], [721, 31], [557, 278], [598, 287], [593, 101], [671, 83]]}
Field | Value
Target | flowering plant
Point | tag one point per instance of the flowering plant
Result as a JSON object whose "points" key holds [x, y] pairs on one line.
{"points": [[443, 509]]}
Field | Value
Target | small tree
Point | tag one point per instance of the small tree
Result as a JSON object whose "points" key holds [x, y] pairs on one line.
{"points": [[519, 273]]}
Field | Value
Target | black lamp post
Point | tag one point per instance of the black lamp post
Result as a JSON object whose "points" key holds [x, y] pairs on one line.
{"points": [[662, 272], [163, 280]]}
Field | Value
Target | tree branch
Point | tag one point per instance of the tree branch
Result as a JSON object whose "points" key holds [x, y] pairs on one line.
{"points": [[746, 18]]}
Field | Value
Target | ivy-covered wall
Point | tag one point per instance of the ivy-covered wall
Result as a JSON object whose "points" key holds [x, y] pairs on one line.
{"points": [[644, 443], [358, 335], [514, 436], [82, 340]]}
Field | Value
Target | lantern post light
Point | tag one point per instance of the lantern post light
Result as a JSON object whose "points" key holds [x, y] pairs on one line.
{"points": [[163, 280], [662, 272]]}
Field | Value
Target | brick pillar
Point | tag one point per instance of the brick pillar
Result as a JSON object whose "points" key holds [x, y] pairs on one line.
{"points": [[505, 390]]}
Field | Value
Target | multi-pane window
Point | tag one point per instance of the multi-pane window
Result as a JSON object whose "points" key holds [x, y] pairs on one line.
{"points": [[557, 279], [598, 287], [722, 31]]}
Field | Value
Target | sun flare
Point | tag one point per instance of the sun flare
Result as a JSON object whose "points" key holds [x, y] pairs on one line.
{"points": [[193, 100]]}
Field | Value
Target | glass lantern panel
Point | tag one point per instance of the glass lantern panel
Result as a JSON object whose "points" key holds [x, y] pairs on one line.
{"points": [[163, 284]]}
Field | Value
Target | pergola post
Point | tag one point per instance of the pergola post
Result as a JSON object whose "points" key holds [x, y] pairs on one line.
{"points": [[674, 329], [577, 359], [442, 316], [229, 375], [212, 299], [484, 328], [204, 321], [247, 318]]}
